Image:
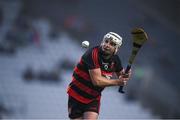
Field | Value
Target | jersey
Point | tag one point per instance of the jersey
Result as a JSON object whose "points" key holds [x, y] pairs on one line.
{"points": [[81, 87]]}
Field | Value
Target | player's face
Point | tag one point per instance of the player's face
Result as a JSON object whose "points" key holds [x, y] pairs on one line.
{"points": [[109, 47]]}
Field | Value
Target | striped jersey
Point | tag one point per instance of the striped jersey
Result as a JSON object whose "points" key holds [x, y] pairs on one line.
{"points": [[81, 87]]}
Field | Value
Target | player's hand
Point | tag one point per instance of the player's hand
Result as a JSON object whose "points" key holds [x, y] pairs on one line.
{"points": [[123, 80], [124, 77], [127, 75]]}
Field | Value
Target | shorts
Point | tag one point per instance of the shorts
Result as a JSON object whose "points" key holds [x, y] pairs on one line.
{"points": [[76, 108]]}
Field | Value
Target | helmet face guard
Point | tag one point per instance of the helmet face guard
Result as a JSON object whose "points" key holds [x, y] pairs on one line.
{"points": [[115, 38]]}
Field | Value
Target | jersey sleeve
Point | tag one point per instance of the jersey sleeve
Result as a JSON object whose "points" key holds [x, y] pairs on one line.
{"points": [[91, 59], [118, 67]]}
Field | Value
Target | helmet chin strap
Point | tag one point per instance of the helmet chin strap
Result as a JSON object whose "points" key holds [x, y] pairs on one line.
{"points": [[116, 50]]}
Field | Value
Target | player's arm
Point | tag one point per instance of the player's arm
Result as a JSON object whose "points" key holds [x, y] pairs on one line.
{"points": [[99, 80]]}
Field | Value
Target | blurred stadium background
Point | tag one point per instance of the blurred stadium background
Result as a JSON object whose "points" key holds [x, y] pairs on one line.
{"points": [[40, 42]]}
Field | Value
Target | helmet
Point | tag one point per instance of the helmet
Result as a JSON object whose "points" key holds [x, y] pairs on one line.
{"points": [[114, 37]]}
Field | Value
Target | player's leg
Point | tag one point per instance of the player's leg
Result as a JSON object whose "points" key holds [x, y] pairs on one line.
{"points": [[90, 115], [73, 115], [92, 110], [74, 109]]}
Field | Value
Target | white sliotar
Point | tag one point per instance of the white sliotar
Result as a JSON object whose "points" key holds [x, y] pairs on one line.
{"points": [[85, 44]]}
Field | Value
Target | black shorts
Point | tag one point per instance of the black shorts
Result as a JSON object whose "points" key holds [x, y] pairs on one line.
{"points": [[76, 108]]}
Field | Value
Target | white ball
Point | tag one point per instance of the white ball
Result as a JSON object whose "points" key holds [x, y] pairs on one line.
{"points": [[85, 44]]}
